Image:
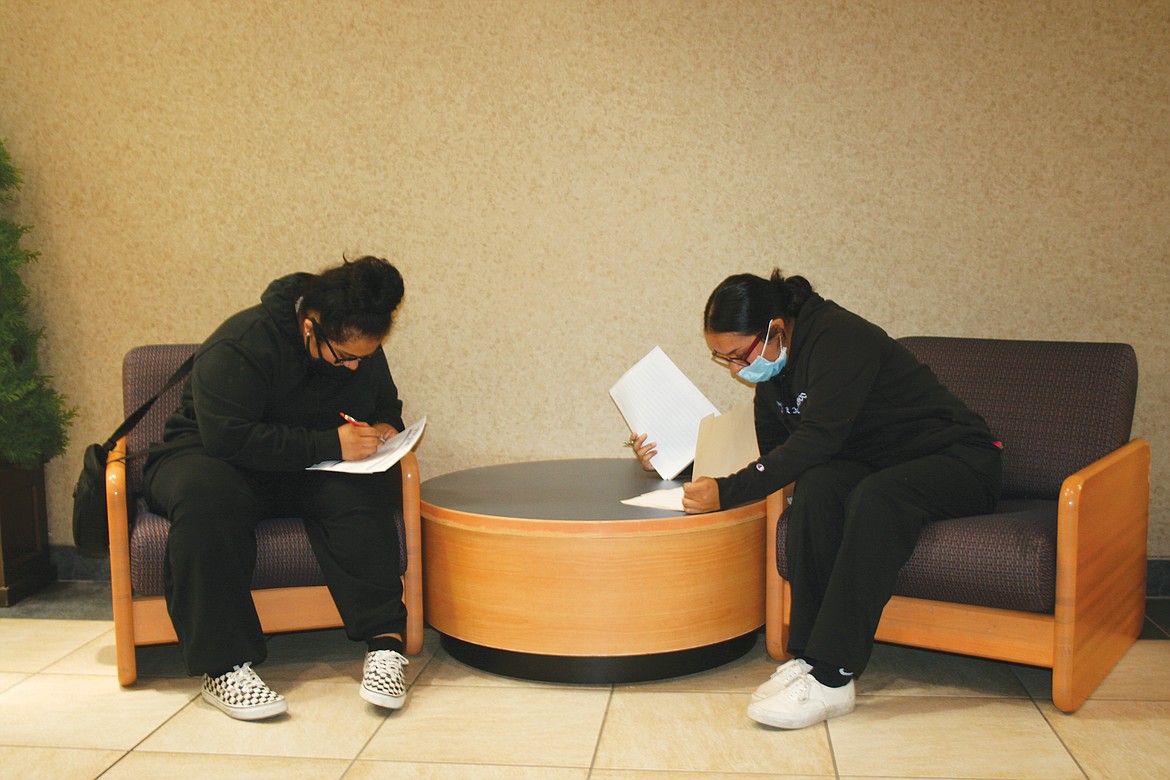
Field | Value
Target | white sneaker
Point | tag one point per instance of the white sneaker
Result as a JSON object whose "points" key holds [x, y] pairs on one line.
{"points": [[383, 681], [243, 695], [803, 703], [784, 674]]}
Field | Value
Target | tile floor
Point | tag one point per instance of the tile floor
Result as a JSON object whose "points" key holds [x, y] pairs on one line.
{"points": [[920, 715]]}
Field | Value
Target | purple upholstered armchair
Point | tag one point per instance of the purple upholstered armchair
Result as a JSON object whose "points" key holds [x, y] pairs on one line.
{"points": [[287, 586], [1056, 576]]}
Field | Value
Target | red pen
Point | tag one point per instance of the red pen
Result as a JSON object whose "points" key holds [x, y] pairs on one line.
{"points": [[352, 421]]}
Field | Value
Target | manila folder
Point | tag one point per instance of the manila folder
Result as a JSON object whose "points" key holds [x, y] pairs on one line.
{"points": [[727, 442]]}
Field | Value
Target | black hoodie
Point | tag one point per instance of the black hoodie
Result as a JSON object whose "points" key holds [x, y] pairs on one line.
{"points": [[848, 391], [257, 400]]}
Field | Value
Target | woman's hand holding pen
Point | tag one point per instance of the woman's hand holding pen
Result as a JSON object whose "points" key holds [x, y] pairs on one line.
{"points": [[385, 430], [643, 450], [358, 439]]}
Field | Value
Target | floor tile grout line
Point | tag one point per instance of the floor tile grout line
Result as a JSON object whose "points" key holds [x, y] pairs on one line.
{"points": [[832, 750], [1067, 748], [108, 769], [383, 714], [386, 716], [149, 734], [1039, 707], [44, 669], [600, 731]]}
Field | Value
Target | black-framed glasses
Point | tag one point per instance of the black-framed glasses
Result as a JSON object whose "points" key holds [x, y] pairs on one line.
{"points": [[337, 360], [732, 360]]}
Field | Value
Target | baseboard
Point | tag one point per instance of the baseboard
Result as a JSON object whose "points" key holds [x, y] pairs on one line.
{"points": [[1158, 577], [72, 565]]}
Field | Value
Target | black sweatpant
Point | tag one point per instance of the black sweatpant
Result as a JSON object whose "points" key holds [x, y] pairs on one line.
{"points": [[211, 550], [850, 530]]}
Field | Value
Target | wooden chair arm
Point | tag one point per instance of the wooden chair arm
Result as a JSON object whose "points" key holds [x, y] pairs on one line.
{"points": [[413, 579], [775, 589], [118, 519], [1101, 546]]}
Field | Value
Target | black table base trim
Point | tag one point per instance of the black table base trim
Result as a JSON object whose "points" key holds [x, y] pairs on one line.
{"points": [[598, 669]]}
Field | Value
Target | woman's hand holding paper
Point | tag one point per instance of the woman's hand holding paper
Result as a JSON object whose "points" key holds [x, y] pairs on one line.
{"points": [[700, 496]]}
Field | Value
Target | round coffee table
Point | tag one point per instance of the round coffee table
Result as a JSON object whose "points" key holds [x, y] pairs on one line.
{"points": [[536, 570]]}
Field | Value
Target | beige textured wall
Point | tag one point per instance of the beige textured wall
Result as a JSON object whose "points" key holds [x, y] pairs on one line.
{"points": [[563, 183]]}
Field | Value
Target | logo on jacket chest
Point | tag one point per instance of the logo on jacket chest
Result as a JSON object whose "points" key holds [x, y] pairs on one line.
{"points": [[795, 408]]}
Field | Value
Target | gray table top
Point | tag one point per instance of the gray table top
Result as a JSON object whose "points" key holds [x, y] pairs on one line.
{"points": [[582, 489]]}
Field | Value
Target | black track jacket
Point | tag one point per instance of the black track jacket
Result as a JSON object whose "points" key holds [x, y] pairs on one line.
{"points": [[256, 399], [848, 391]]}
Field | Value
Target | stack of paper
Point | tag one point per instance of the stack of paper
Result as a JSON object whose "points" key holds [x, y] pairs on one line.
{"points": [[389, 453], [657, 399]]}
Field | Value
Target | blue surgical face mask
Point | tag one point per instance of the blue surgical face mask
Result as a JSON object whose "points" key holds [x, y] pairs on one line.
{"points": [[760, 369]]}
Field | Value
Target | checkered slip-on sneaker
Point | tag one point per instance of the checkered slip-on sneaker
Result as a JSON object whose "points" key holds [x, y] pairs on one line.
{"points": [[243, 695], [383, 681]]}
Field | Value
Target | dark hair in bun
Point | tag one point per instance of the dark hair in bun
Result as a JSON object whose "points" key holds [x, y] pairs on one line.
{"points": [[744, 303], [356, 298]]}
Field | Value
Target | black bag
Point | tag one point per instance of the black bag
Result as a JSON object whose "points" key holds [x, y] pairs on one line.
{"points": [[91, 525]]}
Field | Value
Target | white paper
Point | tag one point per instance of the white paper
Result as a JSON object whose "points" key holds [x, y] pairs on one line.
{"points": [[670, 498], [727, 443], [389, 453], [657, 399]]}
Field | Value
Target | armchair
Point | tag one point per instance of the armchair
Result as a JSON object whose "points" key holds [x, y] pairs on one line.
{"points": [[287, 588], [1056, 576]]}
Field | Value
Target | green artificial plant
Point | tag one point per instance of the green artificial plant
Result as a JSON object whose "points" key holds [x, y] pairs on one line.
{"points": [[33, 417]]}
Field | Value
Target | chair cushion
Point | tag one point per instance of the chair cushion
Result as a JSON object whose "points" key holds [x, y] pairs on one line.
{"points": [[283, 555], [1005, 560]]}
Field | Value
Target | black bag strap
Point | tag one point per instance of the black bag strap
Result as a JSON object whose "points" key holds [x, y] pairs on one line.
{"points": [[141, 411]]}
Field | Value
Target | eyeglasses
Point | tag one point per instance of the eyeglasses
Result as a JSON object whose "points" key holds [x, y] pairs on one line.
{"points": [[338, 360], [731, 360]]}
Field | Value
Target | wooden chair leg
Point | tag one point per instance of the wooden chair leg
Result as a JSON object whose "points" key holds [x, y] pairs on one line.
{"points": [[412, 584], [777, 592], [123, 601]]}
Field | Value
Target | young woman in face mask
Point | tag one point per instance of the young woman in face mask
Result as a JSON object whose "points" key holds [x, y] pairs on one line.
{"points": [[877, 448], [297, 379]]}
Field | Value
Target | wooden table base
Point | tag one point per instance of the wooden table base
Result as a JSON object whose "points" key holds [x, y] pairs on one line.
{"points": [[627, 594], [598, 670]]}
